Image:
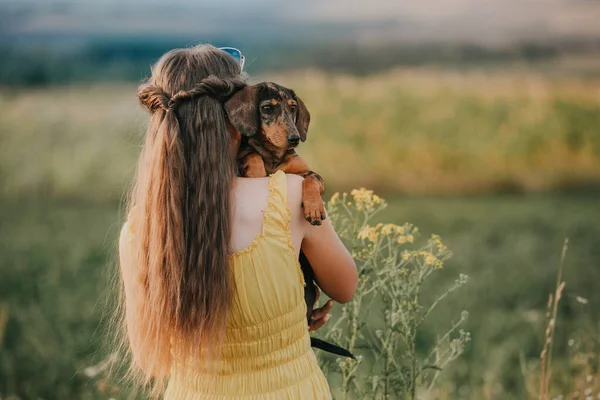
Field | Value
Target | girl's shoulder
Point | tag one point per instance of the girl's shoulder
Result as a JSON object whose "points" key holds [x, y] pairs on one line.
{"points": [[294, 188], [250, 186]]}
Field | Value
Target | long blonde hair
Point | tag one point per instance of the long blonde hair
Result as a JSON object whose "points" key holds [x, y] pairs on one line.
{"points": [[180, 204]]}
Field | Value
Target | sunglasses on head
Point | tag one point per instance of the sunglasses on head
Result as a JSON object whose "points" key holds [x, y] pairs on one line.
{"points": [[235, 53]]}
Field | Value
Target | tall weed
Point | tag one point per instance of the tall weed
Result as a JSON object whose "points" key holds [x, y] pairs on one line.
{"points": [[382, 322]]}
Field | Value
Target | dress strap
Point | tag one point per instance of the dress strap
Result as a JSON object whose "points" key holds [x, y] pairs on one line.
{"points": [[277, 213]]}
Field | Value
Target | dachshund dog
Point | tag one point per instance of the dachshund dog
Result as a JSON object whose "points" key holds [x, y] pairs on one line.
{"points": [[272, 121]]}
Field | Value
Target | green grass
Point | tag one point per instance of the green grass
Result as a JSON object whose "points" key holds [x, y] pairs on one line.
{"points": [[56, 263], [68, 153], [510, 247], [53, 279]]}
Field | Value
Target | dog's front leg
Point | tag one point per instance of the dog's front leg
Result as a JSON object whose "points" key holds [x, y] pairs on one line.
{"points": [[253, 166], [312, 188]]}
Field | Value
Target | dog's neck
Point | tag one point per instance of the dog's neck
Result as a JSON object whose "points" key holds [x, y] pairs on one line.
{"points": [[272, 156]]}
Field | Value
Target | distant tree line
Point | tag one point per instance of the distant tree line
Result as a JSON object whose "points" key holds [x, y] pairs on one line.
{"points": [[130, 59]]}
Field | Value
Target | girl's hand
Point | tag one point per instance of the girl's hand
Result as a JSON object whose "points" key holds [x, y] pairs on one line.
{"points": [[319, 315]]}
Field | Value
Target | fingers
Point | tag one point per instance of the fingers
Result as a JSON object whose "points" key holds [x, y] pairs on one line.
{"points": [[319, 316], [321, 312], [314, 325]]}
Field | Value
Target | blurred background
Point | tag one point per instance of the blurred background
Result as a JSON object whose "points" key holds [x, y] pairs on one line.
{"points": [[478, 120]]}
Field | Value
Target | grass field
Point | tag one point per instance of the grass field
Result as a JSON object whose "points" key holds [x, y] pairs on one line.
{"points": [[54, 284], [519, 145], [409, 131]]}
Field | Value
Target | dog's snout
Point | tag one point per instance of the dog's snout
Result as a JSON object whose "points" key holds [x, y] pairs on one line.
{"points": [[294, 140]]}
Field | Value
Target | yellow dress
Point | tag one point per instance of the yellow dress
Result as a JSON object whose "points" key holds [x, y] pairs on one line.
{"points": [[266, 352]]}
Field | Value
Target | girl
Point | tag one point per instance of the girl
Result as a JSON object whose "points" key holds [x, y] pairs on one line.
{"points": [[213, 293]]}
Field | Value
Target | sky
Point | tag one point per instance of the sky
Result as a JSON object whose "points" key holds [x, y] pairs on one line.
{"points": [[477, 21]]}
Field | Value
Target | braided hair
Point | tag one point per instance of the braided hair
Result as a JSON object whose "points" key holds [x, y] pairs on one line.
{"points": [[153, 98], [180, 208]]}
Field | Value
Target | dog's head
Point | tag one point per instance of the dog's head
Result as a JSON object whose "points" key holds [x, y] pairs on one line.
{"points": [[271, 110]]}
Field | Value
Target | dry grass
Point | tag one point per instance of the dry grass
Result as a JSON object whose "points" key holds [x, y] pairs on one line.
{"points": [[416, 131], [551, 314], [434, 131]]}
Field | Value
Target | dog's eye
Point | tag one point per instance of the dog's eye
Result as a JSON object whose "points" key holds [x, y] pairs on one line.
{"points": [[267, 108], [293, 109]]}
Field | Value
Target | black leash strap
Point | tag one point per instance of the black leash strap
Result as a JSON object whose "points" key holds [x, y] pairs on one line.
{"points": [[330, 347]]}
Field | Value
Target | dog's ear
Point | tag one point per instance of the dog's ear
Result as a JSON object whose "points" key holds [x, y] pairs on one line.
{"points": [[302, 118], [242, 110]]}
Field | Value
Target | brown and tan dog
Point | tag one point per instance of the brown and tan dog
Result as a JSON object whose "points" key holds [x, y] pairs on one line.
{"points": [[272, 121]]}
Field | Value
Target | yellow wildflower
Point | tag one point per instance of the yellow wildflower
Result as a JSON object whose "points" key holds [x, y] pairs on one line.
{"points": [[334, 198], [365, 199], [405, 255], [360, 192], [364, 232], [430, 259], [388, 229], [437, 241], [399, 229], [410, 238], [368, 232], [401, 239]]}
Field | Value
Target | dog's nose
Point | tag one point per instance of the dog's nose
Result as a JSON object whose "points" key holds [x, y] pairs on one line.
{"points": [[294, 140]]}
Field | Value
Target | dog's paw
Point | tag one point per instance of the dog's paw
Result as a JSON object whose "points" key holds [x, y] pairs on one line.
{"points": [[253, 166], [314, 209]]}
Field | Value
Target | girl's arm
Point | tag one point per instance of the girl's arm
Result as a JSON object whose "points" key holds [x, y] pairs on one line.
{"points": [[334, 268]]}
